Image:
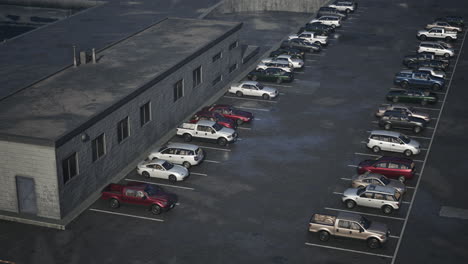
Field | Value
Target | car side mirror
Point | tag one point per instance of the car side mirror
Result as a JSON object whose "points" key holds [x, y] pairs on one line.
{"points": [[361, 230], [212, 132], [401, 143]]}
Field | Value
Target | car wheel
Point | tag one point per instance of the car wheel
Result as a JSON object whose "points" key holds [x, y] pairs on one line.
{"points": [[239, 122], [348, 11], [155, 209], [186, 164], [324, 236], [375, 149], [448, 39], [318, 43], [387, 209], [423, 102], [436, 86], [446, 55], [395, 99], [402, 179], [172, 178], [187, 137], [222, 141], [408, 153], [423, 37], [404, 84], [373, 243], [239, 94], [114, 203], [279, 80], [254, 78], [266, 96], [361, 186], [350, 204], [145, 174], [417, 129], [387, 126]]}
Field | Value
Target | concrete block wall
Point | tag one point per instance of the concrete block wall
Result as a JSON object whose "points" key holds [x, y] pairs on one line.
{"points": [[232, 6], [38, 162], [166, 115]]}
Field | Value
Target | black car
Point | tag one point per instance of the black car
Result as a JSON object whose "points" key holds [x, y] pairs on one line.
{"points": [[435, 64], [424, 56], [326, 11], [398, 119], [319, 26], [271, 75], [452, 20], [300, 44], [316, 31], [295, 53]]}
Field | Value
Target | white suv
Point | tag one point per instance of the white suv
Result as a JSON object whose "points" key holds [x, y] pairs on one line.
{"points": [[346, 6], [296, 63], [437, 48], [332, 21], [283, 65], [385, 198], [392, 141], [179, 153]]}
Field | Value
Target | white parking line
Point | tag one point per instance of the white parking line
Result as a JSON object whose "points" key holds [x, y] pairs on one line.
{"points": [[298, 72], [430, 127], [375, 122], [354, 166], [309, 66], [134, 216], [434, 118], [426, 108], [418, 160], [257, 119], [346, 179], [365, 154], [203, 147], [396, 237], [245, 128], [410, 187], [255, 109], [282, 93], [423, 148], [437, 92], [405, 202], [280, 85], [337, 193], [421, 137], [212, 161], [167, 185], [199, 174], [250, 99], [427, 155], [363, 142], [348, 250], [354, 212]]}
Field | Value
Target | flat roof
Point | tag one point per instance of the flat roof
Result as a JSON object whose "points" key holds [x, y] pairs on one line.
{"points": [[61, 106]]}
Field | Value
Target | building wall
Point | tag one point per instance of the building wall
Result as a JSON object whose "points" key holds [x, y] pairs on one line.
{"points": [[37, 162], [309, 6], [165, 116]]}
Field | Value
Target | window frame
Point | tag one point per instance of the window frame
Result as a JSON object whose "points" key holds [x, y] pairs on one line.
{"points": [[234, 45], [217, 56], [121, 137], [233, 68], [178, 90], [143, 118], [195, 79], [217, 80], [95, 148], [66, 161]]}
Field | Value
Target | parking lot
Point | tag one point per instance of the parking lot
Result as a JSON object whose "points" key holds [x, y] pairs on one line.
{"points": [[251, 201]]}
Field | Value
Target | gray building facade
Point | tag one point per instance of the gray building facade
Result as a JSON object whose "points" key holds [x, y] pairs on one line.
{"points": [[67, 136]]}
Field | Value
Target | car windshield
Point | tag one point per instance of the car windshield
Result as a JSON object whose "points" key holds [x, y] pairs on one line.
{"points": [[260, 86], [360, 191], [404, 138], [217, 127], [365, 222], [384, 180], [167, 165], [153, 190]]}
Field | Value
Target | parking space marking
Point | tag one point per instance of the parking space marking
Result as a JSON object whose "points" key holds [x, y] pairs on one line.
{"points": [[245, 128], [421, 137], [337, 193], [418, 160], [363, 142], [254, 109], [354, 212], [199, 174], [280, 85], [396, 237], [220, 149], [346, 179], [282, 93], [426, 108], [433, 118], [257, 119], [375, 122], [405, 202], [128, 215], [423, 149], [354, 166], [430, 127], [410, 187], [309, 66], [250, 99], [212, 161], [348, 250], [167, 185], [298, 72], [437, 92], [365, 154]]}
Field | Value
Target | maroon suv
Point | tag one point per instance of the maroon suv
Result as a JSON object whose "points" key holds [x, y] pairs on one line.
{"points": [[230, 112], [213, 116], [392, 167]]}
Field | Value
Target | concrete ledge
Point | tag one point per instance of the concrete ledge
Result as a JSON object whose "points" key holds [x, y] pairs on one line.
{"points": [[32, 220], [60, 4]]}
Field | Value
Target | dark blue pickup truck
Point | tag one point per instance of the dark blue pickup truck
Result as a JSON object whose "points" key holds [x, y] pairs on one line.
{"points": [[417, 79]]}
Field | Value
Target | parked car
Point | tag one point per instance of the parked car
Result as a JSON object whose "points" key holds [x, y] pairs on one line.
{"points": [[327, 10], [154, 197], [349, 226], [253, 88], [162, 169], [300, 44], [374, 196], [269, 75], [402, 108], [453, 20], [207, 130], [295, 53], [417, 79], [412, 96], [437, 48], [317, 26], [433, 72], [435, 64], [294, 62], [368, 178], [424, 57], [228, 111], [392, 141], [437, 33], [343, 5], [332, 21], [212, 116], [444, 24], [183, 154], [398, 119], [311, 37], [284, 66], [391, 167]]}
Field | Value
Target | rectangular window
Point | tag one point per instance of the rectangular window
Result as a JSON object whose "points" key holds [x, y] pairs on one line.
{"points": [[233, 67], [178, 90], [70, 167], [197, 77], [99, 147], [145, 113], [217, 56], [233, 45], [217, 80], [123, 130]]}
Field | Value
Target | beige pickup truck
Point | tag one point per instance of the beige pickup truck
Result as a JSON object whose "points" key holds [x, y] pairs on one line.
{"points": [[350, 226]]}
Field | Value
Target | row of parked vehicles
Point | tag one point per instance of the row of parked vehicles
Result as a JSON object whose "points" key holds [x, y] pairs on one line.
{"points": [[379, 183]]}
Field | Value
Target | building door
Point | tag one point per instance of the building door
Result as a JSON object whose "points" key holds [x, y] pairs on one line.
{"points": [[26, 191]]}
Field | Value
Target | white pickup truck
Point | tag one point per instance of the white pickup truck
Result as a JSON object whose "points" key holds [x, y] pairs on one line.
{"points": [[311, 37], [207, 130], [437, 33]]}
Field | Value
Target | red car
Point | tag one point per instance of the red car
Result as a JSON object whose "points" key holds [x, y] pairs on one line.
{"points": [[230, 112], [213, 116], [154, 197], [392, 167]]}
